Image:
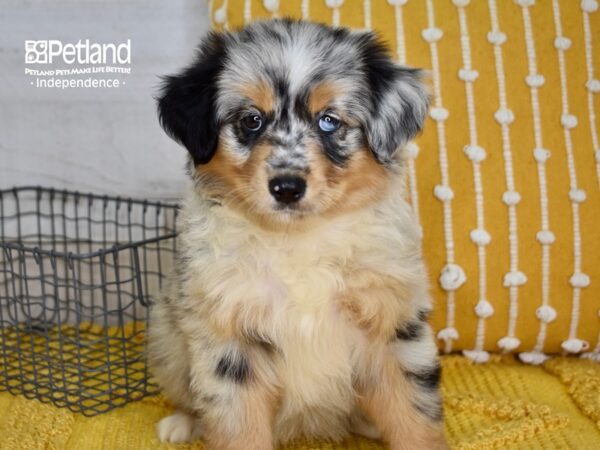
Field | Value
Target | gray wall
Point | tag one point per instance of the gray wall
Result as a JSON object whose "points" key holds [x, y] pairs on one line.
{"points": [[101, 140]]}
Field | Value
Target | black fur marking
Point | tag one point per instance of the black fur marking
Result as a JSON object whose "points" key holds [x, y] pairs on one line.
{"points": [[280, 84], [433, 411], [186, 104], [289, 166], [301, 102], [182, 262], [428, 379], [233, 367], [423, 315], [410, 331], [247, 137], [332, 149], [284, 121], [282, 89], [301, 110], [275, 35], [340, 35]]}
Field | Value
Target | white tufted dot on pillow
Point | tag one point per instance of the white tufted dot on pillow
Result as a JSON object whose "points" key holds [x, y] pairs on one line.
{"points": [[562, 43], [475, 153], [535, 80], [438, 113], [511, 198], [504, 116], [593, 85], [574, 345], [496, 37], [579, 280], [412, 150], [478, 356], [221, 15], [447, 334], [589, 6], [452, 277], [443, 193], [525, 3], [468, 74], [271, 5], [432, 34], [535, 358], [509, 343], [541, 155], [546, 313], [545, 237], [480, 237], [514, 278], [577, 195], [334, 3], [568, 121], [484, 309]]}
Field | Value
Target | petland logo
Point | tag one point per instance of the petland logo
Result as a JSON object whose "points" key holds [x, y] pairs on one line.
{"points": [[85, 64], [83, 52]]}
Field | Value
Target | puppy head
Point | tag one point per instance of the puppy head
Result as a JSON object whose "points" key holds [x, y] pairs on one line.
{"points": [[288, 120]]}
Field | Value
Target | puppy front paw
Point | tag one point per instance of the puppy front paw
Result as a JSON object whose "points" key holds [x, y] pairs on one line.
{"points": [[178, 427]]}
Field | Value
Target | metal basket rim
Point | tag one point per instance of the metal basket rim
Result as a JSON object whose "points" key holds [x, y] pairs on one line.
{"points": [[90, 196]]}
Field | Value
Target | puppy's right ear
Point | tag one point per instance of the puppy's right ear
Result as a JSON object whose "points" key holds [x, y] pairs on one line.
{"points": [[186, 104]]}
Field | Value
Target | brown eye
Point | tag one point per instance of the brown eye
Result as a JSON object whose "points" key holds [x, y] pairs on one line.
{"points": [[253, 122]]}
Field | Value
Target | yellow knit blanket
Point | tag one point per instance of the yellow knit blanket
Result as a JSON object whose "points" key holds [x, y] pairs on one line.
{"points": [[503, 404]]}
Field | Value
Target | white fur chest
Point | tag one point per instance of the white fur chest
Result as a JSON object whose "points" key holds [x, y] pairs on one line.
{"points": [[284, 288], [316, 343], [233, 261]]}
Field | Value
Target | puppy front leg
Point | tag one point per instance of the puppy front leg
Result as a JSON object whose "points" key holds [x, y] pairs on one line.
{"points": [[237, 410], [399, 391]]}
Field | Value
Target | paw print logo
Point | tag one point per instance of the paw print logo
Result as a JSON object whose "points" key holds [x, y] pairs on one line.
{"points": [[36, 52]]}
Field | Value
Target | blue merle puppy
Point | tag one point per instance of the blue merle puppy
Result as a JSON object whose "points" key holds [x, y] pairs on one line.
{"points": [[299, 300]]}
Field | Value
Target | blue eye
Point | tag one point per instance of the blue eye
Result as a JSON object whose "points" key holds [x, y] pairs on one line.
{"points": [[328, 123]]}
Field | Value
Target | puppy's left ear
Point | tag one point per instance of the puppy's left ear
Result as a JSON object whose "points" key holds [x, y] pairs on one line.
{"points": [[399, 100]]}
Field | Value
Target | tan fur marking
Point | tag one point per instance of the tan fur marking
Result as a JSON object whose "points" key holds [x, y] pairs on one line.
{"points": [[255, 412], [220, 174], [376, 303], [387, 401], [236, 182], [322, 95], [261, 94], [362, 182]]}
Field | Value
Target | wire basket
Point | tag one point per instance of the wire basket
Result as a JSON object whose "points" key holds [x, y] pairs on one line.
{"points": [[77, 274]]}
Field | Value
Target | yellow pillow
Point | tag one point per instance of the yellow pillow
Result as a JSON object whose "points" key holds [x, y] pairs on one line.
{"points": [[506, 176]]}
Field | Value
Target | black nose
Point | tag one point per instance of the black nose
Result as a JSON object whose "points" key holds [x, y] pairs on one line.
{"points": [[287, 189]]}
